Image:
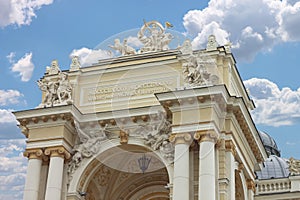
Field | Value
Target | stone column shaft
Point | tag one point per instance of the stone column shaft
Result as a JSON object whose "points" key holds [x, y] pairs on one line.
{"points": [[230, 154], [181, 166], [31, 189], [55, 173], [207, 177]]}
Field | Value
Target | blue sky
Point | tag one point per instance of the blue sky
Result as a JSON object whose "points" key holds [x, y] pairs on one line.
{"points": [[265, 37]]}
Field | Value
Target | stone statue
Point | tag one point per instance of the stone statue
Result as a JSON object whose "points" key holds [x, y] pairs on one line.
{"points": [[64, 89], [124, 48], [75, 65], [294, 166], [88, 144], [153, 36], [57, 92], [195, 72], [50, 89], [211, 43], [186, 47], [54, 68]]}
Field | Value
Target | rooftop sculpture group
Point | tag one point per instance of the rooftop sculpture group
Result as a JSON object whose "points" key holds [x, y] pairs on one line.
{"points": [[152, 35], [57, 91]]}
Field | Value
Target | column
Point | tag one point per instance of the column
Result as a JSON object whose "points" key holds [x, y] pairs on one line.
{"points": [[181, 165], [31, 190], [55, 172], [207, 177], [230, 162]]}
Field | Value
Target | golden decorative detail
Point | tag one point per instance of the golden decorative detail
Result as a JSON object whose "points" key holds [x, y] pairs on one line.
{"points": [[35, 120], [24, 122], [102, 123], [134, 119], [24, 130], [229, 146], [123, 137], [240, 167], [54, 117], [113, 122], [202, 136], [180, 138], [57, 152], [219, 143], [201, 99], [144, 118], [33, 153], [45, 119], [250, 184]]}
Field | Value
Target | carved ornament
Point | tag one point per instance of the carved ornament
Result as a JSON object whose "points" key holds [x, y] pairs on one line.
{"points": [[57, 152], [203, 136], [294, 166], [33, 153], [56, 92]]}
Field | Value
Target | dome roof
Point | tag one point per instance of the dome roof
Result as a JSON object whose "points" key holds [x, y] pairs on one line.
{"points": [[274, 167], [269, 144]]}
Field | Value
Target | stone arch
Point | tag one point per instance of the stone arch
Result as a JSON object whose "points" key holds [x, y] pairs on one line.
{"points": [[240, 183], [89, 168]]}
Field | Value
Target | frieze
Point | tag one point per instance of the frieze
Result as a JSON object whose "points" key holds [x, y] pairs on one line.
{"points": [[92, 95]]}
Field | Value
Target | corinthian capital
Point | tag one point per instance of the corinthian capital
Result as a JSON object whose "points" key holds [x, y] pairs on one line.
{"points": [[180, 138], [202, 136], [58, 152]]}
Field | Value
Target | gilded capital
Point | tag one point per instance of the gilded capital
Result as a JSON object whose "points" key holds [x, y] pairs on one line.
{"points": [[229, 146], [58, 152], [203, 136], [250, 184], [180, 138], [33, 153]]}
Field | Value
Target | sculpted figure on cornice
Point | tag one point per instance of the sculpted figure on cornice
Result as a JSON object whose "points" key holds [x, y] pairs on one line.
{"points": [[195, 71], [88, 144], [57, 92], [124, 48], [75, 64], [54, 68], [153, 36], [186, 47], [294, 166]]}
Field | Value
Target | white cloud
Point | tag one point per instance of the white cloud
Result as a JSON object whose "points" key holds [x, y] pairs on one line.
{"points": [[251, 25], [19, 12], [11, 57], [134, 42], [90, 56], [12, 169], [6, 116], [24, 66], [8, 97], [274, 106]]}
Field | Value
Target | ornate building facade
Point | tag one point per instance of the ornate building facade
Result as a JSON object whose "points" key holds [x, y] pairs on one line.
{"points": [[153, 123]]}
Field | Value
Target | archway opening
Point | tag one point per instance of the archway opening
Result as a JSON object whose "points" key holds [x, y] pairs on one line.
{"points": [[127, 172]]}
